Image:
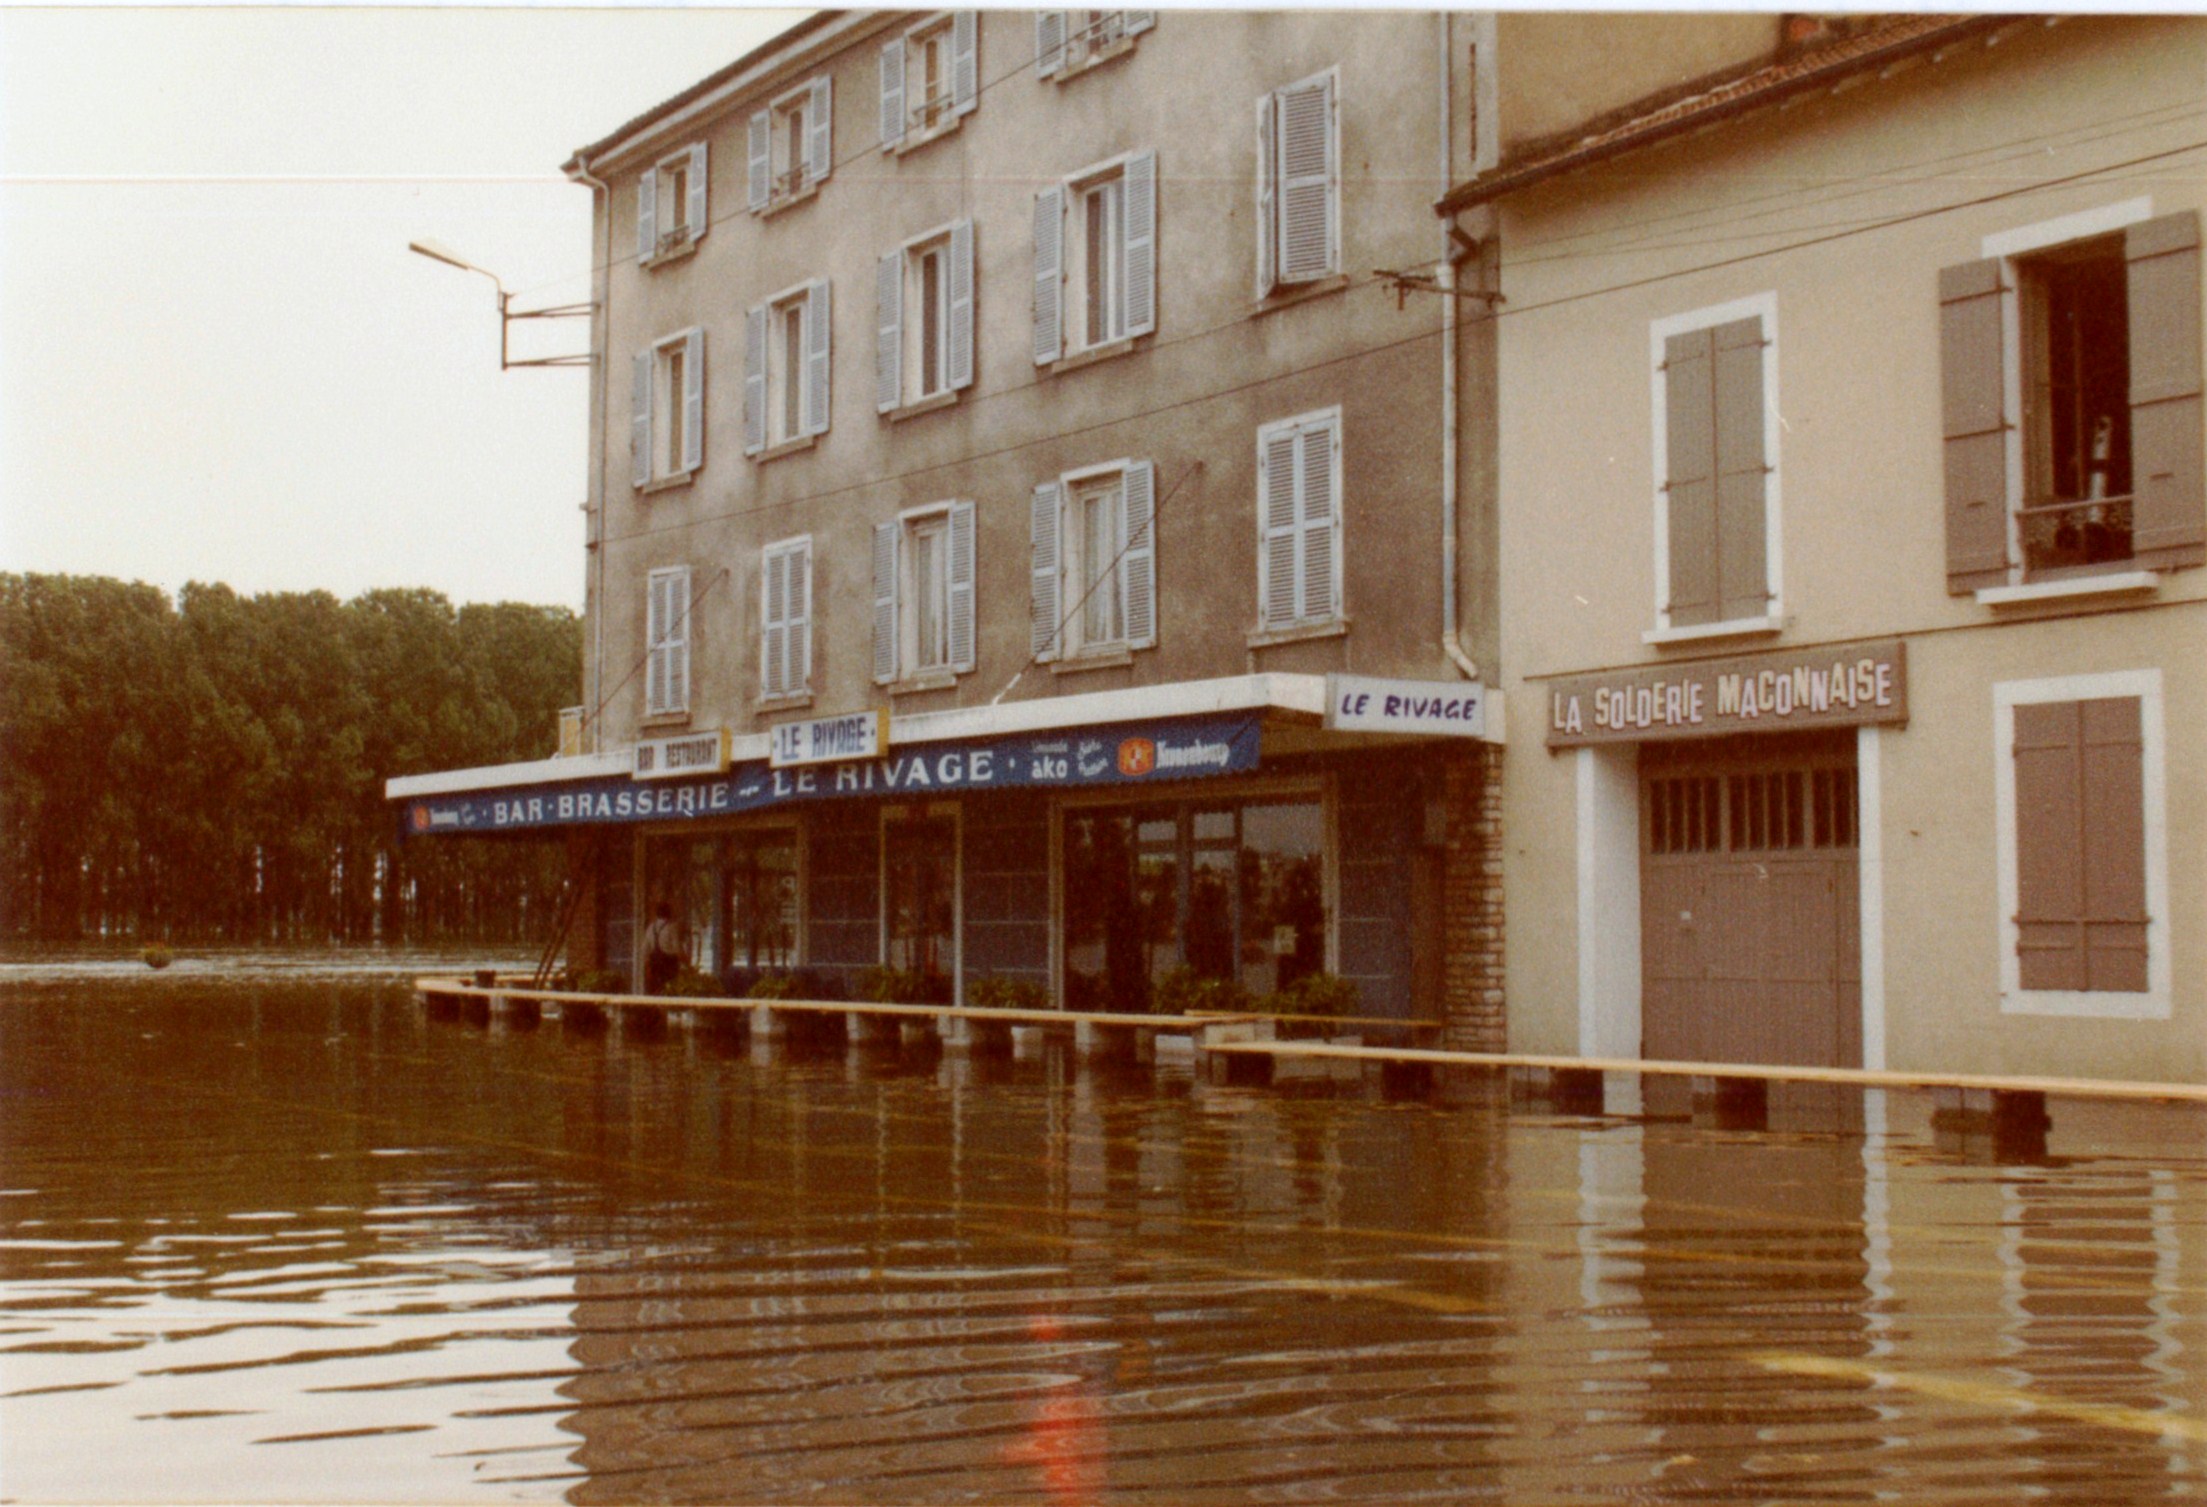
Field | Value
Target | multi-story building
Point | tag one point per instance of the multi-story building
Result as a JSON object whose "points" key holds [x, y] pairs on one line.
{"points": [[1850, 489], [1000, 434]]}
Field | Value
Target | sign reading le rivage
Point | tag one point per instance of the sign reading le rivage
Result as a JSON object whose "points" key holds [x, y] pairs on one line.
{"points": [[1841, 686]]}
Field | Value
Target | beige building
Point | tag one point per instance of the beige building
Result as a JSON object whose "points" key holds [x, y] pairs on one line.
{"points": [[1850, 508], [1001, 433]]}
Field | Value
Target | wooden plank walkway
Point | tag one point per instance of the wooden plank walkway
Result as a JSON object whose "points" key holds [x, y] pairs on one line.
{"points": [[2099, 1088]]}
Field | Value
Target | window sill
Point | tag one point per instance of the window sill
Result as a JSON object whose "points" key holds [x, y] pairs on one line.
{"points": [[913, 409], [681, 251], [930, 680], [1095, 59], [802, 443], [2121, 583], [1299, 293], [1269, 638], [666, 483], [776, 205], [1738, 627], [1102, 659], [1092, 355], [664, 721], [795, 701], [912, 141]]}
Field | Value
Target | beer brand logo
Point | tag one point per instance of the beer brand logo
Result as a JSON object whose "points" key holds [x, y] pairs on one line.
{"points": [[421, 818], [1137, 756]]}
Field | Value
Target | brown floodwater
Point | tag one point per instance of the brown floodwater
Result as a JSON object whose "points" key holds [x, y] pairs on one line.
{"points": [[269, 1231]]}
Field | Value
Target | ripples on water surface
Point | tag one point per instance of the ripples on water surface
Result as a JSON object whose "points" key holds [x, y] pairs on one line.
{"points": [[266, 1236]]}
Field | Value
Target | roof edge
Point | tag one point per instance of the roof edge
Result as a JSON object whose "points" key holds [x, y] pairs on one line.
{"points": [[1508, 180]]}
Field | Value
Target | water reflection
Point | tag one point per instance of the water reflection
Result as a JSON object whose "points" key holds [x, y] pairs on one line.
{"points": [[263, 1239]]}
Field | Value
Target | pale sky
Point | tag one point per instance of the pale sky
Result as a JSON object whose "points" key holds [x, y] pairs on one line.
{"points": [[218, 360]]}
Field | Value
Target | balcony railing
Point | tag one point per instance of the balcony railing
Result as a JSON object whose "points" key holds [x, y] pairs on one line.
{"points": [[2063, 535]]}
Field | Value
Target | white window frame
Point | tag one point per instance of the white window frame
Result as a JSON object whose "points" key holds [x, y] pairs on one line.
{"points": [[943, 242], [788, 319], [1339, 612], [2012, 245], [669, 414], [933, 518], [673, 639], [1073, 562], [791, 125], [1068, 43], [1272, 276], [910, 117], [689, 171], [769, 688], [1084, 196], [804, 301], [1763, 306], [2007, 695]]}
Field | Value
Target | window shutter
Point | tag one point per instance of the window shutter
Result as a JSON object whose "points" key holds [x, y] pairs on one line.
{"points": [[1973, 385], [1309, 181], [1690, 485], [699, 222], [892, 94], [1318, 520], [888, 331], [1267, 178], [1276, 525], [799, 622], [1138, 562], [639, 419], [773, 621], [754, 380], [2049, 897], [1138, 21], [965, 60], [816, 358], [820, 129], [961, 305], [647, 213], [678, 640], [693, 401], [1139, 222], [2080, 845], [2169, 506], [2112, 766], [1742, 475], [762, 158], [1049, 269], [1049, 42], [961, 586], [885, 602], [1044, 517], [655, 653]]}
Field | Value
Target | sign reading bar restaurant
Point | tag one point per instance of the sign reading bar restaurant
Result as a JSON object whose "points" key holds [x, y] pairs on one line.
{"points": [[1138, 753], [828, 740], [688, 753], [1844, 685], [1367, 704]]}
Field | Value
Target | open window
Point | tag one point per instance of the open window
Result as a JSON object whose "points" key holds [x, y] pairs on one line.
{"points": [[1096, 258], [671, 204], [785, 370], [1094, 561], [930, 79], [923, 594], [2073, 401], [667, 415], [1070, 42], [924, 318], [792, 145]]}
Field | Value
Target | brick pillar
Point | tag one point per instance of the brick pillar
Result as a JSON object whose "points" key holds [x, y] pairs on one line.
{"points": [[1471, 901]]}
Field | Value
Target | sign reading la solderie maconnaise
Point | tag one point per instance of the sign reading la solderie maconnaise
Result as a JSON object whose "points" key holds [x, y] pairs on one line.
{"points": [[1841, 686]]}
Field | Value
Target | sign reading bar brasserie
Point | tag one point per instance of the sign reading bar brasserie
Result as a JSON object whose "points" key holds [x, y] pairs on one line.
{"points": [[828, 740], [1134, 754], [1841, 686]]}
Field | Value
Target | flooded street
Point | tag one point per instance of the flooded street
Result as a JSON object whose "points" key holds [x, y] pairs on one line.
{"points": [[279, 1234]]}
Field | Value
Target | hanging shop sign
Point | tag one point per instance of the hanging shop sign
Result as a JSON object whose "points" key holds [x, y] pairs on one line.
{"points": [[1444, 708], [1136, 753], [828, 740], [685, 754], [1844, 685]]}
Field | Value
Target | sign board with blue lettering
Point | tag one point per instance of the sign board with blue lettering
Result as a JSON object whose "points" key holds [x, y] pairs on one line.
{"points": [[1430, 708], [1135, 754], [828, 740]]}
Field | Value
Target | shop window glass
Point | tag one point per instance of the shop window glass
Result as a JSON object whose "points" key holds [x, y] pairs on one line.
{"points": [[734, 896], [921, 863], [1283, 895]]}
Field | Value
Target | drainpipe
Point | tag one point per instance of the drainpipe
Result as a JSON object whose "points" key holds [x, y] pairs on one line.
{"points": [[601, 294], [1447, 279]]}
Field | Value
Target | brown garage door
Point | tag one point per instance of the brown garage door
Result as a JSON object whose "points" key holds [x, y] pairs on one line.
{"points": [[1750, 929]]}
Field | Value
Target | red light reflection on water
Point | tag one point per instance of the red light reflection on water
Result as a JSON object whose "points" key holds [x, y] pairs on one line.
{"points": [[1064, 1440]]}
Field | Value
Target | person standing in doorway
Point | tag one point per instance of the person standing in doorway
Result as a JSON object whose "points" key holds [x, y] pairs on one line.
{"points": [[663, 950]]}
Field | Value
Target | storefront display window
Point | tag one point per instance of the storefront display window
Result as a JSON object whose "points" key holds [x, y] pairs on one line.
{"points": [[921, 873], [734, 895], [1234, 892]]}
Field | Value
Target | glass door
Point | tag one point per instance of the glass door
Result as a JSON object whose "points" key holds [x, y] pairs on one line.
{"points": [[920, 901]]}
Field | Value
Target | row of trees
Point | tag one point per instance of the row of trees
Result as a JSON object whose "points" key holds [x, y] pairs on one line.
{"points": [[212, 768]]}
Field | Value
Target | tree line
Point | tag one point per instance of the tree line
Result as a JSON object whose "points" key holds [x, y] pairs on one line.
{"points": [[212, 768]]}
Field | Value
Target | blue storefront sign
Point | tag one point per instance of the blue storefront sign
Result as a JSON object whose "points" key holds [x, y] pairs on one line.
{"points": [[1134, 754]]}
